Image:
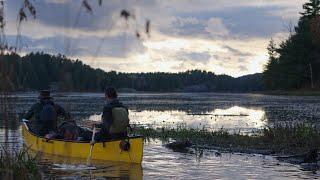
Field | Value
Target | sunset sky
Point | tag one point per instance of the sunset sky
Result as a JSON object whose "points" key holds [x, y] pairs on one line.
{"points": [[222, 36]]}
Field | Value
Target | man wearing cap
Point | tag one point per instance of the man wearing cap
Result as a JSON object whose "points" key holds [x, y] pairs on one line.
{"points": [[115, 117], [46, 114]]}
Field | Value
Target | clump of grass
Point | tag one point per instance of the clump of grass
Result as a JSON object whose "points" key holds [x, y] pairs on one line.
{"points": [[280, 139], [19, 165], [292, 138]]}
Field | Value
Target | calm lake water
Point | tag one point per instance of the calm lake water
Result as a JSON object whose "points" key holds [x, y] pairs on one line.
{"points": [[244, 113]]}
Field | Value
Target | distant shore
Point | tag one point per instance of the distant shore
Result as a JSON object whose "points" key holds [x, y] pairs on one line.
{"points": [[273, 92], [291, 92]]}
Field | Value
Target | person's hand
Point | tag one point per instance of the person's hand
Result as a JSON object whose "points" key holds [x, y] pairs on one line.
{"points": [[92, 143], [47, 136]]}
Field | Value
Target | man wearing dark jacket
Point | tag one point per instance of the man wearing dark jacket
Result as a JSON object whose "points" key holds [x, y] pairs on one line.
{"points": [[46, 114], [115, 117]]}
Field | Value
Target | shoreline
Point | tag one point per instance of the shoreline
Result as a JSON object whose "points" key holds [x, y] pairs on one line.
{"points": [[290, 92], [273, 92], [296, 144]]}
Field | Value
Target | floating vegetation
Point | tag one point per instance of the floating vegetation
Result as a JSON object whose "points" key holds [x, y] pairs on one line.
{"points": [[19, 165], [281, 139]]}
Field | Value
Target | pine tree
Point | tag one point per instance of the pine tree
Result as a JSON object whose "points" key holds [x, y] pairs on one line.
{"points": [[312, 9], [295, 64], [271, 68]]}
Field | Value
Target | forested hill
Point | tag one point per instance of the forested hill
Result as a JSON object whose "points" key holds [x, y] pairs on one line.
{"points": [[37, 71]]}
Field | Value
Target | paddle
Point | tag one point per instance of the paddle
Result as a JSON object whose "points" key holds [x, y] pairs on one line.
{"points": [[25, 121], [91, 146]]}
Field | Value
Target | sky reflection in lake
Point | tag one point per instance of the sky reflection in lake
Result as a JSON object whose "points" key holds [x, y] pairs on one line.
{"points": [[233, 118]]}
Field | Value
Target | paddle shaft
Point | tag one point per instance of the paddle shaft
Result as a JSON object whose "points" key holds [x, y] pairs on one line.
{"points": [[91, 145]]}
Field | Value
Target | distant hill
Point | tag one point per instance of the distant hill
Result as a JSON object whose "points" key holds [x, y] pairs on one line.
{"points": [[37, 71]]}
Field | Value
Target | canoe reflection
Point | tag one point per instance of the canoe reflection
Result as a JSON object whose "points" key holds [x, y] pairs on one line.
{"points": [[62, 167]]}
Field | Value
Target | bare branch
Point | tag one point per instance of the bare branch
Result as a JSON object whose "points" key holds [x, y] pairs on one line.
{"points": [[148, 27], [87, 6]]}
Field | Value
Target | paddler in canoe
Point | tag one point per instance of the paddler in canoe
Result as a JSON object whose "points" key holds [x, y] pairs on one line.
{"points": [[45, 113], [110, 143], [115, 120]]}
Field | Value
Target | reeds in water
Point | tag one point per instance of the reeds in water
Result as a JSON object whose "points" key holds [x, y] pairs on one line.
{"points": [[280, 139], [19, 164]]}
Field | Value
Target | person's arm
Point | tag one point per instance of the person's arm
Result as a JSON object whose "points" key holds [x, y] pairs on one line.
{"points": [[30, 113]]}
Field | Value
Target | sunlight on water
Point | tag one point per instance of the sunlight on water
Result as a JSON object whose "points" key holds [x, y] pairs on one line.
{"points": [[234, 118], [72, 167], [241, 117]]}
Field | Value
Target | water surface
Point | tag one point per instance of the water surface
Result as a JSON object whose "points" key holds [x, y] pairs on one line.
{"points": [[235, 112]]}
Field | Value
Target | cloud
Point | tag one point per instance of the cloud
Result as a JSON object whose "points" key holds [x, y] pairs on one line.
{"points": [[221, 36], [216, 27], [237, 52]]}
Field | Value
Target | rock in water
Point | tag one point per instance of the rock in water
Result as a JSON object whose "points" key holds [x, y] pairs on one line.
{"points": [[311, 157], [179, 146], [310, 166], [217, 154]]}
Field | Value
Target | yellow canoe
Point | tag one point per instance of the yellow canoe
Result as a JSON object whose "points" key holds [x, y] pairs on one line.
{"points": [[108, 150]]}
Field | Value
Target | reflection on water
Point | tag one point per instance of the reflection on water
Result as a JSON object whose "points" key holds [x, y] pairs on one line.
{"points": [[56, 167], [234, 118], [161, 163]]}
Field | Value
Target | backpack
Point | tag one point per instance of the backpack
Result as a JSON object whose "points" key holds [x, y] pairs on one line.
{"points": [[48, 117], [120, 117], [69, 130]]}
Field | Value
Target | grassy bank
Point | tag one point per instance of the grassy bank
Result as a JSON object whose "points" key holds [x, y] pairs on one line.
{"points": [[18, 165], [288, 139]]}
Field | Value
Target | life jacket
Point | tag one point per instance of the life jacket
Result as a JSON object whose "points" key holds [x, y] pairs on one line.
{"points": [[120, 117]]}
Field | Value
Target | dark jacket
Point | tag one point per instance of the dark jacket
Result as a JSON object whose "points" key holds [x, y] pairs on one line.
{"points": [[42, 126], [107, 119]]}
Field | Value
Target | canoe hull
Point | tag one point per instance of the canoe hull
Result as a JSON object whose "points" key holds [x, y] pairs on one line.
{"points": [[108, 151]]}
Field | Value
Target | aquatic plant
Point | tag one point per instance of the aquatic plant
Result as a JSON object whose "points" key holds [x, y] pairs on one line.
{"points": [[19, 164], [280, 139]]}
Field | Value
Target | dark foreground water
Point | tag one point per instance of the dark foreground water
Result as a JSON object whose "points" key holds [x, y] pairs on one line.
{"points": [[236, 112]]}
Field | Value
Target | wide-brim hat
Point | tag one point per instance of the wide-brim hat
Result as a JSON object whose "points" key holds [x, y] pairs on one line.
{"points": [[44, 94]]}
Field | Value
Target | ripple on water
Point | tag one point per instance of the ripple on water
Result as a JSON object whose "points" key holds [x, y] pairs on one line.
{"points": [[162, 163]]}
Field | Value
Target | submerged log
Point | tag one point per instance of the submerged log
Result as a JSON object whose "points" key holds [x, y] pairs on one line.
{"points": [[309, 157], [179, 146]]}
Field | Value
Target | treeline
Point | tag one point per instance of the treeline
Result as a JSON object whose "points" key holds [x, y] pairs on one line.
{"points": [[295, 62], [40, 71], [37, 71]]}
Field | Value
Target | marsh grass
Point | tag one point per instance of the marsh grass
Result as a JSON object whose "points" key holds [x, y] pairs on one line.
{"points": [[19, 165], [279, 139]]}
